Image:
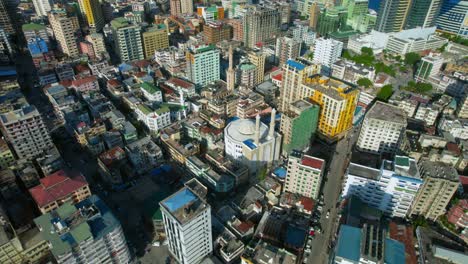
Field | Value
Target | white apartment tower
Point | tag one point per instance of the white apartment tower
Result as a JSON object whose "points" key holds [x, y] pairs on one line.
{"points": [[65, 28], [383, 129], [42, 7], [287, 48], [327, 51], [203, 64], [463, 108], [187, 222], [127, 40], [304, 175]]}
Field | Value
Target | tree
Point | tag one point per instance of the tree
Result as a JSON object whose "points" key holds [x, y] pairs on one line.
{"points": [[412, 58], [347, 55], [261, 175], [365, 82], [385, 92], [368, 51]]}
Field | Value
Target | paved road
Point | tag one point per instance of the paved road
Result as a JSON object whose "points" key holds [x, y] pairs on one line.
{"points": [[331, 193]]}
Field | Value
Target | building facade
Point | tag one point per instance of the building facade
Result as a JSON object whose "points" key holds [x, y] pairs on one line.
{"points": [[287, 48], [92, 13], [203, 64], [261, 25], [42, 7], [327, 52], [154, 39], [65, 29], [392, 15], [452, 17], [127, 40], [304, 175]]}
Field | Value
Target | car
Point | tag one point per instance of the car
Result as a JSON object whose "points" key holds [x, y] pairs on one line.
{"points": [[328, 214], [319, 208]]}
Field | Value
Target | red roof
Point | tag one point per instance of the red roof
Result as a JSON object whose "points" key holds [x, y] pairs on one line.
{"points": [[464, 180], [66, 83], [57, 186], [180, 83], [278, 77], [245, 226], [312, 162], [404, 234], [114, 82], [452, 147], [109, 156], [84, 80], [141, 63], [81, 68], [307, 203]]}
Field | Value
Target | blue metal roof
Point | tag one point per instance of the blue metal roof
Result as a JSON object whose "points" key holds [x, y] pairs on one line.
{"points": [[394, 252], [179, 199], [249, 143], [349, 243], [295, 236], [295, 64], [280, 172]]}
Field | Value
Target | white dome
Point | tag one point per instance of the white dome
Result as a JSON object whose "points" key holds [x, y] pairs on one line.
{"points": [[247, 127]]}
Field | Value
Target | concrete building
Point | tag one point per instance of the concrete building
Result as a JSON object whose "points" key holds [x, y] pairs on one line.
{"points": [[304, 175], [253, 144], [462, 111], [7, 22], [427, 113], [186, 6], [392, 15], [246, 75], [34, 31], [91, 12], [187, 222], [337, 102], [175, 7], [257, 58], [391, 189], [99, 46], [221, 183], [151, 92], [237, 28], [230, 73], [428, 67], [440, 183], [383, 129], [299, 125], [351, 72], [42, 7], [260, 25], [93, 234], [154, 38], [144, 154], [154, 118], [211, 13], [314, 15], [327, 52], [26, 132], [287, 48], [65, 28], [452, 17], [127, 40], [203, 64], [423, 13], [215, 32], [59, 188], [414, 40]]}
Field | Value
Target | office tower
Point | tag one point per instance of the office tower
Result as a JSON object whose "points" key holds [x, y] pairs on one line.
{"points": [[429, 66], [99, 46], [154, 38], [127, 40], [86, 232], [314, 16], [252, 143], [175, 7], [304, 175], [423, 13], [390, 188], [42, 7], [331, 20], [261, 25], [356, 8], [392, 15], [203, 64], [295, 73], [452, 17], [383, 129], [92, 13], [6, 19], [257, 58], [211, 13], [440, 183], [230, 73], [337, 101], [463, 107], [299, 125], [186, 6], [187, 222], [327, 52], [26, 132], [107, 11], [287, 48], [65, 31], [33, 31], [216, 31]]}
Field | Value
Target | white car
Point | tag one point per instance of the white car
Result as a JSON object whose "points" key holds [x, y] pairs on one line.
{"points": [[328, 214]]}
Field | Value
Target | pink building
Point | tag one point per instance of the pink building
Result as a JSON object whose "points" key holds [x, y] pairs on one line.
{"points": [[87, 48]]}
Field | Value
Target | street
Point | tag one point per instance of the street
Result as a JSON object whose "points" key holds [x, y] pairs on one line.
{"points": [[331, 193]]}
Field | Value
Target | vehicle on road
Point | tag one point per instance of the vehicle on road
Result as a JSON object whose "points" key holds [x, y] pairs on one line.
{"points": [[328, 214]]}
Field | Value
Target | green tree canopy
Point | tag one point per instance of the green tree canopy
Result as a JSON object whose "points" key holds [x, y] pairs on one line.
{"points": [[412, 58], [385, 92], [365, 82], [368, 51]]}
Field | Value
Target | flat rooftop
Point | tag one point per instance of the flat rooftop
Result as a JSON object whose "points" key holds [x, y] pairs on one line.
{"points": [[438, 170], [362, 171], [387, 112], [184, 205]]}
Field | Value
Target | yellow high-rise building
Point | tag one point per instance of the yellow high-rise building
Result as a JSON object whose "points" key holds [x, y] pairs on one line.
{"points": [[257, 58], [91, 10], [337, 102], [155, 38]]}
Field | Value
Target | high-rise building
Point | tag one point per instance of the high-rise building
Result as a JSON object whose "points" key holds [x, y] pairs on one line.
{"points": [[299, 125], [42, 7], [429, 66], [127, 40], [230, 73], [295, 73], [186, 6], [175, 7], [6, 19], [440, 183], [392, 15], [86, 232], [257, 58], [383, 129], [337, 102], [187, 222], [314, 16], [237, 28], [65, 29], [99, 46], [304, 175], [245, 75], [327, 52], [92, 12], [390, 188], [357, 8], [26, 132], [211, 13], [203, 64], [452, 17], [463, 108], [216, 31], [261, 25], [155, 38], [252, 143], [423, 13], [287, 48], [331, 20]]}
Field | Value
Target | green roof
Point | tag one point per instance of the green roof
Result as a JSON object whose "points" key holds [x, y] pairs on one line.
{"points": [[81, 232], [402, 161], [65, 210], [163, 108], [120, 22], [145, 109], [150, 88], [33, 26], [247, 66], [207, 48]]}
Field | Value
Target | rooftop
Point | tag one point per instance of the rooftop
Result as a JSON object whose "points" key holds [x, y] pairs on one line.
{"points": [[438, 170], [184, 205], [150, 88], [387, 112], [312, 162], [363, 171], [33, 27], [349, 242]]}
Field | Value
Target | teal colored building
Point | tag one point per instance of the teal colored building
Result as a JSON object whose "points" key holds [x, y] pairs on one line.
{"points": [[332, 20]]}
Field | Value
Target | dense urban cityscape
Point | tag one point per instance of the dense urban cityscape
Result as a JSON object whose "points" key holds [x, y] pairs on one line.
{"points": [[234, 131]]}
